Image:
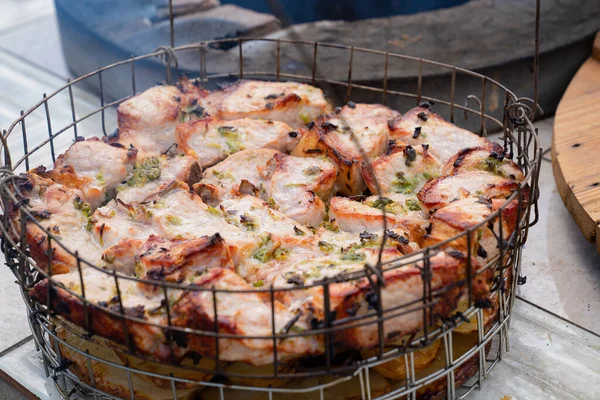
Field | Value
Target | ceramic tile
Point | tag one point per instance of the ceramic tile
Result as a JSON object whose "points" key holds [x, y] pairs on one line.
{"points": [[13, 314]]}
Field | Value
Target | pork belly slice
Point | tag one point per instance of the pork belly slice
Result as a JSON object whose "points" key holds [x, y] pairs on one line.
{"points": [[403, 169], [294, 103], [181, 261], [403, 287], [153, 174], [339, 255], [326, 254], [490, 159], [440, 192], [254, 216], [159, 260], [468, 213], [350, 137], [179, 214], [148, 121], [62, 212], [241, 314], [356, 217], [121, 229], [422, 126], [299, 186], [105, 313], [212, 140], [94, 167], [224, 179]]}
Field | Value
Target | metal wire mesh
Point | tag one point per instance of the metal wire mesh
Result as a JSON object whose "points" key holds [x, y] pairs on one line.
{"points": [[519, 140]]}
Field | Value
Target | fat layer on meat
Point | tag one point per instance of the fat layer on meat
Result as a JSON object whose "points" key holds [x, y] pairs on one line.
{"points": [[294, 103], [491, 159], [440, 192], [211, 140], [470, 213], [224, 179], [422, 126], [403, 169], [355, 216]]}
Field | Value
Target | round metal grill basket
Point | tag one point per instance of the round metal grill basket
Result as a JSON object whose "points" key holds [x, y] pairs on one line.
{"points": [[41, 132]]}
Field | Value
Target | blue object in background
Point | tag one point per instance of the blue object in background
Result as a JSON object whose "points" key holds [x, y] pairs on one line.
{"points": [[300, 11]]}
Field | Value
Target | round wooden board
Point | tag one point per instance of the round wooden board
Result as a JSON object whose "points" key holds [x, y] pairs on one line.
{"points": [[576, 147]]}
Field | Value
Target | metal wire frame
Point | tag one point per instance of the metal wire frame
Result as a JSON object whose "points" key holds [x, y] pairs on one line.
{"points": [[520, 140]]}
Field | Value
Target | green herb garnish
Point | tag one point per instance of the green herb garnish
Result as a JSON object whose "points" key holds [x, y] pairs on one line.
{"points": [[413, 205], [145, 171]]}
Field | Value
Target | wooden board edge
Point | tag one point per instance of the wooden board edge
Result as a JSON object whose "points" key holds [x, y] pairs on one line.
{"points": [[583, 220], [10, 381]]}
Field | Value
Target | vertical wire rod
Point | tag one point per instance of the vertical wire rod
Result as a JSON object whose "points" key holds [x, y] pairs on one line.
{"points": [[102, 113], [25, 146], [536, 60], [171, 24], [49, 123], [74, 118], [385, 78]]}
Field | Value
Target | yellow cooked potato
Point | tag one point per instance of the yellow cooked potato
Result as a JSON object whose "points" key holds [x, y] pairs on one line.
{"points": [[247, 369], [347, 390], [107, 378], [489, 315], [165, 369], [396, 368]]}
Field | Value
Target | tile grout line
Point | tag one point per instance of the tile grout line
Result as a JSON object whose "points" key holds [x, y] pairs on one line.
{"points": [[557, 316], [16, 345]]}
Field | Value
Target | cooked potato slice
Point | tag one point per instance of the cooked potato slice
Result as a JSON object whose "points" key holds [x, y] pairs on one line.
{"points": [[211, 140], [246, 369], [347, 137], [114, 380], [491, 159], [403, 169], [347, 390], [490, 315], [396, 368], [422, 126], [294, 103], [440, 192]]}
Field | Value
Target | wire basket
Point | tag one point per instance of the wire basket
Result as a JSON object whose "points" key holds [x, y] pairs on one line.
{"points": [[459, 374]]}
